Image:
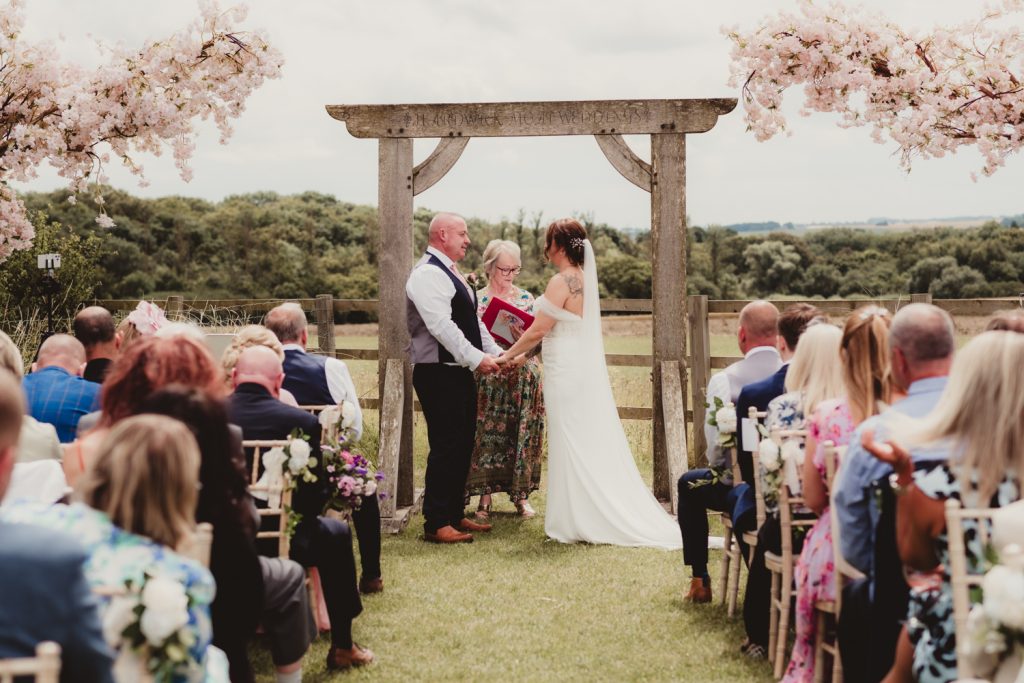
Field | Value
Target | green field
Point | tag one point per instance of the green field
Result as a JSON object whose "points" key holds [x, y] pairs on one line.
{"points": [[520, 607]]}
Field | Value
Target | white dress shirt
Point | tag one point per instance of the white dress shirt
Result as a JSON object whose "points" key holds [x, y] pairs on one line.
{"points": [[340, 384], [759, 363], [431, 291]]}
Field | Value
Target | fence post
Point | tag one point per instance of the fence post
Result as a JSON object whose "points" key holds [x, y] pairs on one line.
{"points": [[324, 308], [925, 298], [700, 371], [174, 307]]}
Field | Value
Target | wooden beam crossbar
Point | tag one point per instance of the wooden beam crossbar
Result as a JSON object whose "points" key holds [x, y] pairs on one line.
{"points": [[626, 162], [435, 166]]}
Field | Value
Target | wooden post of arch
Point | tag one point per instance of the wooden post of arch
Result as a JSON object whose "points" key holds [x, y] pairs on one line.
{"points": [[666, 121]]}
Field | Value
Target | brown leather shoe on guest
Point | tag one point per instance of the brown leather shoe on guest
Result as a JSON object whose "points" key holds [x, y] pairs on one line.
{"points": [[339, 659], [371, 585], [698, 592], [470, 525], [447, 534]]}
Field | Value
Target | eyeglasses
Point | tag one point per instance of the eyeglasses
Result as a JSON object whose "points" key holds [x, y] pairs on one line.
{"points": [[509, 271]]}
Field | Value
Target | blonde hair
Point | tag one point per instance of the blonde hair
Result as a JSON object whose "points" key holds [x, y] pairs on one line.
{"points": [[145, 478], [10, 356], [12, 411], [250, 335], [866, 361], [815, 371], [496, 248], [981, 413]]}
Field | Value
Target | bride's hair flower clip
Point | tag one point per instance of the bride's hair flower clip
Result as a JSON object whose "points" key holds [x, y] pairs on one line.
{"points": [[147, 318], [576, 242]]}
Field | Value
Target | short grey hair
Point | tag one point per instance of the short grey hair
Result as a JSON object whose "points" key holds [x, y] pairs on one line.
{"points": [[10, 356], [923, 333], [496, 248], [287, 322]]}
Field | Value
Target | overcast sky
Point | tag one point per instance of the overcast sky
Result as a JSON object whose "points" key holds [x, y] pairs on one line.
{"points": [[409, 51]]}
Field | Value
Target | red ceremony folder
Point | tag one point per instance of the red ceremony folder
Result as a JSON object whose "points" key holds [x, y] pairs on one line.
{"points": [[501, 316]]}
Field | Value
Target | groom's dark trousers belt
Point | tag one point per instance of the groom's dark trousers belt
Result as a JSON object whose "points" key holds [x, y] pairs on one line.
{"points": [[448, 396]]}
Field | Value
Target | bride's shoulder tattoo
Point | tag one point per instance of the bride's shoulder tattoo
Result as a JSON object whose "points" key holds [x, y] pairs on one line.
{"points": [[574, 283]]}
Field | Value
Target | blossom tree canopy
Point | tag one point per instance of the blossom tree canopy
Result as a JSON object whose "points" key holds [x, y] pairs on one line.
{"points": [[931, 92], [140, 100]]}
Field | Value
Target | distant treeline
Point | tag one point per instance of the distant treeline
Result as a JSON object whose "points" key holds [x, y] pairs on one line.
{"points": [[269, 245]]}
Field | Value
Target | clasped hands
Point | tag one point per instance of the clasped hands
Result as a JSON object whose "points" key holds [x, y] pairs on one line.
{"points": [[892, 454], [491, 364]]}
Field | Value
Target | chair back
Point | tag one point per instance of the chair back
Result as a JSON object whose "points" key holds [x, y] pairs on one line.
{"points": [[199, 546], [961, 580], [316, 410], [790, 502], [755, 416], [281, 512], [43, 668]]}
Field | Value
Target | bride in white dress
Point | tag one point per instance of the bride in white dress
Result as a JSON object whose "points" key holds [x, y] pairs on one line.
{"points": [[595, 492]]}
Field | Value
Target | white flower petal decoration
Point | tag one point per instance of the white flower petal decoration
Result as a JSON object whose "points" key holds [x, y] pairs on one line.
{"points": [[768, 454], [166, 609], [348, 414]]}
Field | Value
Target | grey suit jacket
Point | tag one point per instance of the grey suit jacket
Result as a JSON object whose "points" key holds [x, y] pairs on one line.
{"points": [[46, 597]]}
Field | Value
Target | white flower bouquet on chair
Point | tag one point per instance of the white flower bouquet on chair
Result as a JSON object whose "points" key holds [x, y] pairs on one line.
{"points": [[147, 626], [297, 457]]}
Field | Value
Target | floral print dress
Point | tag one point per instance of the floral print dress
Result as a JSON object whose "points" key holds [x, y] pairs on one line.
{"points": [[814, 571], [930, 612], [510, 423], [116, 556], [785, 413]]}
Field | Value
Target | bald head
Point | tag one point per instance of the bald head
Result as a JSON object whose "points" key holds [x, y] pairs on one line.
{"points": [[448, 233], [288, 323], [259, 365], [922, 341], [759, 325], [61, 351]]}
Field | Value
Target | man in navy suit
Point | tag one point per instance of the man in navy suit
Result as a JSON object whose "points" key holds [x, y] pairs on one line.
{"points": [[320, 542], [316, 380], [46, 596], [792, 323]]}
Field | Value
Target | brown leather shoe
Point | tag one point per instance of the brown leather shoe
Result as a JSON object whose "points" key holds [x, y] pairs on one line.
{"points": [[698, 592], [371, 585], [470, 525], [447, 534], [339, 659]]}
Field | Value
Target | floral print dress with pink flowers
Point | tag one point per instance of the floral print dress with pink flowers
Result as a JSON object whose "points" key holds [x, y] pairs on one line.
{"points": [[831, 421], [509, 444]]}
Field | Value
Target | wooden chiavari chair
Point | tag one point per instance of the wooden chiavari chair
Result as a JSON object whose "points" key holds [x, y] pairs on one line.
{"points": [[259, 447], [43, 668]]}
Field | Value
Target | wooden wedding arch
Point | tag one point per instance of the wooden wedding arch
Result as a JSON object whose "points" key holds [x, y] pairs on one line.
{"points": [[396, 126]]}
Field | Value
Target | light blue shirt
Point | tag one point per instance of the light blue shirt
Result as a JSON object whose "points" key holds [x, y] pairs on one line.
{"points": [[852, 500]]}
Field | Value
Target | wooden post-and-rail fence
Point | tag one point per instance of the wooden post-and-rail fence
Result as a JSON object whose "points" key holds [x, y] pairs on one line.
{"points": [[396, 457]]}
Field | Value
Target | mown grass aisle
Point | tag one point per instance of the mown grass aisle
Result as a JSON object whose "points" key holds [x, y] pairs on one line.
{"points": [[513, 606]]}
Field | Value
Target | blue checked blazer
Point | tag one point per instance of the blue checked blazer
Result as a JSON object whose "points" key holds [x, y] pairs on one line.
{"points": [[56, 396]]}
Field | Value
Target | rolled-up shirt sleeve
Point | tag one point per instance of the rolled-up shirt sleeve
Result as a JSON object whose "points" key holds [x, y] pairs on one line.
{"points": [[431, 291], [342, 388]]}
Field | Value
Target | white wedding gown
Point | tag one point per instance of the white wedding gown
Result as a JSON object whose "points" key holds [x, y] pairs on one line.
{"points": [[595, 492]]}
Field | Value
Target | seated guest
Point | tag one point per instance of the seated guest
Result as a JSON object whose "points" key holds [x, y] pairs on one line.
{"points": [[867, 387], [94, 327], [813, 375], [318, 380], [701, 490], [144, 321], [46, 596], [251, 589], [921, 344], [320, 542], [1010, 321], [38, 439], [145, 366], [253, 335], [978, 428], [792, 323], [56, 392], [137, 507], [314, 380]]}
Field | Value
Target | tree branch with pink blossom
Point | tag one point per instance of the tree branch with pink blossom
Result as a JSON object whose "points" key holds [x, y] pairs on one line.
{"points": [[930, 92], [140, 101]]}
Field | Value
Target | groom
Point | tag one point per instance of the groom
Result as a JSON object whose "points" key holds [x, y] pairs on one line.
{"points": [[447, 343]]}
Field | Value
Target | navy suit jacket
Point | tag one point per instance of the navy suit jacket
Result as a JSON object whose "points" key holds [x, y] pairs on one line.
{"points": [[262, 416], [758, 395], [46, 597]]}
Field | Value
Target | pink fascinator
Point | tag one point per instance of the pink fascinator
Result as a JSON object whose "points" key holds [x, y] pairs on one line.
{"points": [[147, 318]]}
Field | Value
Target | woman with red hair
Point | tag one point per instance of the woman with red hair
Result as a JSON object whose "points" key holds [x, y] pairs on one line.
{"points": [[146, 366]]}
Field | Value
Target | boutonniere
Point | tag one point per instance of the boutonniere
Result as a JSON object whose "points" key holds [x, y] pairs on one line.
{"points": [[471, 278]]}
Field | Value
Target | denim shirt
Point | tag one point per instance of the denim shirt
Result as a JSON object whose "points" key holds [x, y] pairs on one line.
{"points": [[852, 500]]}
